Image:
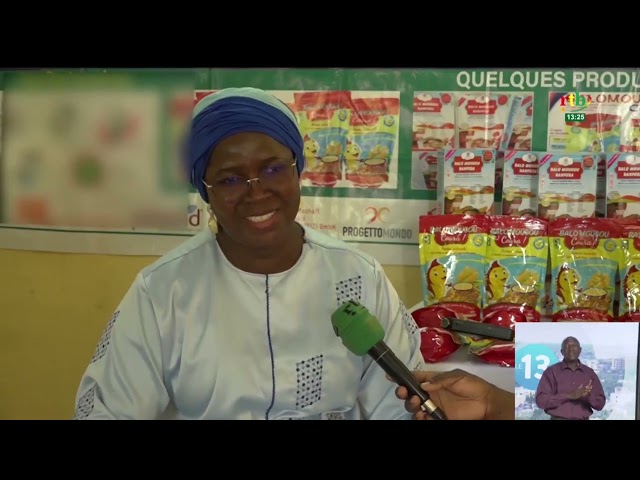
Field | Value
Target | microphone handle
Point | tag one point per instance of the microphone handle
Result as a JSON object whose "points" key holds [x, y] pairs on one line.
{"points": [[397, 370]]}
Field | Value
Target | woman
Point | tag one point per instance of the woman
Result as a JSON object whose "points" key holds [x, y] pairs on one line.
{"points": [[236, 322]]}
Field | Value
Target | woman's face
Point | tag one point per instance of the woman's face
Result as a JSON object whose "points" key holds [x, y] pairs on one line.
{"points": [[259, 214]]}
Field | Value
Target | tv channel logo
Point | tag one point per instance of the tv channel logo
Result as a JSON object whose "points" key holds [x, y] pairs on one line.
{"points": [[574, 102]]}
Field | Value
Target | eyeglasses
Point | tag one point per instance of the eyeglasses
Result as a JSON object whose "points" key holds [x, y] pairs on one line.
{"points": [[234, 186]]}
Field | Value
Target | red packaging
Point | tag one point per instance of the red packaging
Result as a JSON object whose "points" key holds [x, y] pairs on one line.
{"points": [[438, 344]]}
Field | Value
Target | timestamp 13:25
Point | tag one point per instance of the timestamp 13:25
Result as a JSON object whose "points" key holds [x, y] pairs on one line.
{"points": [[574, 117]]}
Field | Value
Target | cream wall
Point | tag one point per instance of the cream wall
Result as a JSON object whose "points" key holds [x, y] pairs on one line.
{"points": [[53, 310]]}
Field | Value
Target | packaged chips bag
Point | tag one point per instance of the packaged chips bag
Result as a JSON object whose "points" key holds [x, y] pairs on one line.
{"points": [[629, 289], [585, 256], [452, 252], [515, 270]]}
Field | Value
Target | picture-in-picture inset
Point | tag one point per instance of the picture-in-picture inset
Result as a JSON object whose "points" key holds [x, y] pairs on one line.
{"points": [[576, 371]]}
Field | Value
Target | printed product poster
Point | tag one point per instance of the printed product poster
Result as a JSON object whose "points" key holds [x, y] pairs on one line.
{"points": [[434, 127], [594, 122], [622, 185], [88, 159], [350, 137], [108, 170], [351, 144], [610, 349], [466, 120]]}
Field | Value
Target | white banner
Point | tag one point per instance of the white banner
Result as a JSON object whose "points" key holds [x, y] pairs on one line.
{"points": [[385, 229]]}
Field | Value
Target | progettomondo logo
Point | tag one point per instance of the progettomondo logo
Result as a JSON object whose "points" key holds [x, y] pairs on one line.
{"points": [[374, 214], [574, 102]]}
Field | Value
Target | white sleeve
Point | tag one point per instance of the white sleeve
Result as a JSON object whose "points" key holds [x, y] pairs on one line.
{"points": [[124, 379], [377, 394]]}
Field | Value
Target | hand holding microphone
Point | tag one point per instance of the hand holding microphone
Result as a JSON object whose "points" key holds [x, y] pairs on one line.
{"points": [[463, 395], [362, 334]]}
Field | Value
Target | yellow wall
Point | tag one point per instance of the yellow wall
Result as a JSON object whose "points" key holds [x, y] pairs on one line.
{"points": [[53, 310]]}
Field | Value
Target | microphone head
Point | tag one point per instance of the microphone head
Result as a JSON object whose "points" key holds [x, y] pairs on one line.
{"points": [[357, 327]]}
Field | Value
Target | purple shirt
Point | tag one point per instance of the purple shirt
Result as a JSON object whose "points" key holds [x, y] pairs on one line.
{"points": [[558, 381]]}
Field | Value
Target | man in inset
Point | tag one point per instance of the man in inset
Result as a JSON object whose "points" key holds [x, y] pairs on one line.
{"points": [[569, 390]]}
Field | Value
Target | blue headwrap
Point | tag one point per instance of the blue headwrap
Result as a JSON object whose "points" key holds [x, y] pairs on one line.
{"points": [[237, 110]]}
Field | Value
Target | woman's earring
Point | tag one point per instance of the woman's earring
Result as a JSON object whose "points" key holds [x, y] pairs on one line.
{"points": [[213, 221]]}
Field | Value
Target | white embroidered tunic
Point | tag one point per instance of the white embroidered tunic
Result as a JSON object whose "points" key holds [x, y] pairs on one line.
{"points": [[197, 338]]}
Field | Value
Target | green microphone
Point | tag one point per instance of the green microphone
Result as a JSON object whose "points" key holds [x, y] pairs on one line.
{"points": [[362, 334]]}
